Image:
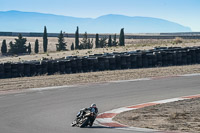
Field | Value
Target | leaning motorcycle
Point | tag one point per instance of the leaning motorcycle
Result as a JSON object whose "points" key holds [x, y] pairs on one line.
{"points": [[84, 120]]}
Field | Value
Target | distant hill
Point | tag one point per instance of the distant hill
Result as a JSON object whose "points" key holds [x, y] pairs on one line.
{"points": [[17, 21]]}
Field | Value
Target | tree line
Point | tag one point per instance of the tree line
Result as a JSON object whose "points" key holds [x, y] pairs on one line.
{"points": [[20, 47]]}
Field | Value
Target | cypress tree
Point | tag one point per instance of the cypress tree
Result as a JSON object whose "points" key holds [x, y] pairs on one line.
{"points": [[109, 41], [45, 40], [90, 43], [61, 42], [36, 46], [84, 42], [11, 50], [102, 42], [115, 40], [29, 48], [97, 41], [4, 47], [121, 38], [72, 46], [77, 38]]}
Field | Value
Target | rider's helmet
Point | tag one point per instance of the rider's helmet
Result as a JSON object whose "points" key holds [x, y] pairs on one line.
{"points": [[93, 105]]}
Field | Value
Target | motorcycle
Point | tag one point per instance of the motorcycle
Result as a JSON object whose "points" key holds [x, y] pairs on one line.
{"points": [[84, 119]]}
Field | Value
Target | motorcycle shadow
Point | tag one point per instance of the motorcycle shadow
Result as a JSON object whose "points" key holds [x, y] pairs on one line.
{"points": [[95, 127]]}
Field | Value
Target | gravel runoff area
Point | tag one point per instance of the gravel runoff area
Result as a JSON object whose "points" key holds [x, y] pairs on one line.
{"points": [[180, 116], [93, 77]]}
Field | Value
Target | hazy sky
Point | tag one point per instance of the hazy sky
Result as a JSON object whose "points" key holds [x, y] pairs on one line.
{"points": [[185, 12]]}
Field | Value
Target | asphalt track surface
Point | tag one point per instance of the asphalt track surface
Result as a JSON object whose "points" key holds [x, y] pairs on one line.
{"points": [[52, 111]]}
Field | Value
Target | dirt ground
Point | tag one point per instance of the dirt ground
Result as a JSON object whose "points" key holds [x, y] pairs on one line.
{"points": [[182, 116], [131, 45]]}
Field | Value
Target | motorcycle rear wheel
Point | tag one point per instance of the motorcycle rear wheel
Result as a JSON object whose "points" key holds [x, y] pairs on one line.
{"points": [[85, 123]]}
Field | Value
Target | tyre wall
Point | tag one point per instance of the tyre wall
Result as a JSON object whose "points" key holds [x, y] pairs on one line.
{"points": [[157, 57]]}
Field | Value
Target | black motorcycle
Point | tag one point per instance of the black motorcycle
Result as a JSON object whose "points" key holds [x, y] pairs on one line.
{"points": [[84, 119]]}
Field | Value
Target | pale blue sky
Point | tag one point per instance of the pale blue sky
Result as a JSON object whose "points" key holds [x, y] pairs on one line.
{"points": [[185, 12]]}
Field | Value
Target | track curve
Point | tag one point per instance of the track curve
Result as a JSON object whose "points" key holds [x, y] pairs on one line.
{"points": [[52, 111]]}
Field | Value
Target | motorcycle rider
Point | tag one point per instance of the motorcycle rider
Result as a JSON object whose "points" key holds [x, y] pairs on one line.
{"points": [[93, 108]]}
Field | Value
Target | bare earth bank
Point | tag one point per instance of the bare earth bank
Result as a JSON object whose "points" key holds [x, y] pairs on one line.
{"points": [[181, 116]]}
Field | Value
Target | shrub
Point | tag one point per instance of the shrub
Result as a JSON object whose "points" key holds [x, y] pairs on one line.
{"points": [[36, 46], [178, 40], [4, 47], [72, 46], [19, 46], [61, 43], [29, 48]]}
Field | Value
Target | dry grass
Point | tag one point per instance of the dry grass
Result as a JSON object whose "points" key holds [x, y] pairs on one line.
{"points": [[131, 45]]}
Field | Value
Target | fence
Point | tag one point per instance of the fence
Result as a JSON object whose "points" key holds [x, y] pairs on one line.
{"points": [[157, 57]]}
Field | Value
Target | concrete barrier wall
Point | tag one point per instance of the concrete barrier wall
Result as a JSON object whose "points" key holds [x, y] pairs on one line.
{"points": [[189, 35], [157, 57]]}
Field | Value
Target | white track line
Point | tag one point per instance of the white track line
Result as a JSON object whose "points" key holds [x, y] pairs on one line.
{"points": [[133, 80], [169, 100], [20, 94], [119, 110], [189, 75], [51, 88]]}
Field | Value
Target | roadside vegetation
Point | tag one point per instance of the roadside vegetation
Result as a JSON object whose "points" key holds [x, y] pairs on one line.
{"points": [[20, 47], [131, 45]]}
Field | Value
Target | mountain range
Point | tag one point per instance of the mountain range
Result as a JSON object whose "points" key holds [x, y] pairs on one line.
{"points": [[17, 21]]}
